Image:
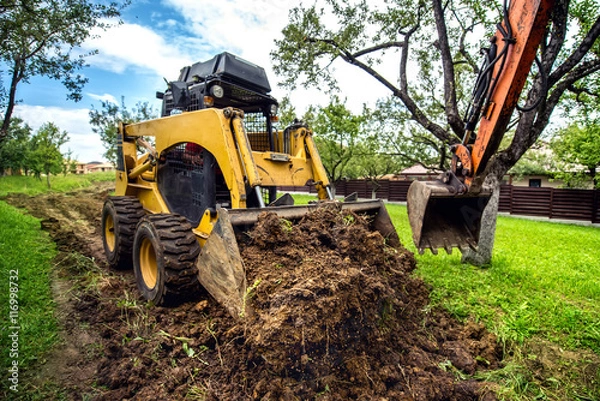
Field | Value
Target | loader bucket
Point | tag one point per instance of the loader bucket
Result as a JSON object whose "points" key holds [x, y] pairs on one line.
{"points": [[375, 210], [439, 218], [220, 267]]}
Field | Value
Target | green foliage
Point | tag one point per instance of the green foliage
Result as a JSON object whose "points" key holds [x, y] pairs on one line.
{"points": [[15, 149], [579, 144], [26, 256], [287, 113], [337, 133], [538, 160], [398, 135], [22, 153], [45, 156], [372, 163], [105, 122], [38, 38]]}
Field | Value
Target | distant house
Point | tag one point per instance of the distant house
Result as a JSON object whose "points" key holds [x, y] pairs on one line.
{"points": [[80, 168], [96, 167], [538, 168], [415, 172], [93, 167]]}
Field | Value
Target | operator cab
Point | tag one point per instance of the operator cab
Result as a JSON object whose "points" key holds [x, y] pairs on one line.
{"points": [[224, 81]]}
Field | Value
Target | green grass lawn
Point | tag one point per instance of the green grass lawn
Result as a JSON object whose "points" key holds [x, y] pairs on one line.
{"points": [[544, 280], [26, 263], [26, 255], [32, 186]]}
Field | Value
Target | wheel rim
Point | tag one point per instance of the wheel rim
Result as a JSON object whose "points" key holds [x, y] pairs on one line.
{"points": [[148, 265], [109, 232]]}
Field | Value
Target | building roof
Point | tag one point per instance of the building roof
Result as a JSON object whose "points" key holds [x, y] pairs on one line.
{"points": [[417, 169]]}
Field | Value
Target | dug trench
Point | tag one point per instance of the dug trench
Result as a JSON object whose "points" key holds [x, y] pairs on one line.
{"points": [[333, 314]]}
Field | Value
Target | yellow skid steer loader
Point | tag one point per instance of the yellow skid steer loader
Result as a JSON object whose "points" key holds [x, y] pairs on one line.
{"points": [[215, 165]]}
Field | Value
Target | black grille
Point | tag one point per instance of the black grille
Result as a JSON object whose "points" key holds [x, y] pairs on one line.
{"points": [[181, 180], [257, 130]]}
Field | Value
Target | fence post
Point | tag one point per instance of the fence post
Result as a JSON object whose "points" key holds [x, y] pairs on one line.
{"points": [[510, 199], [595, 206], [551, 202]]}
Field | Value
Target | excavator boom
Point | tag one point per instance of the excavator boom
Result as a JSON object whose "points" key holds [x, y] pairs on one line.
{"points": [[446, 213]]}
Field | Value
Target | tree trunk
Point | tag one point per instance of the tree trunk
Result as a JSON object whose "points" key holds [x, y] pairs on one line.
{"points": [[487, 234], [332, 187], [48, 179], [17, 75]]}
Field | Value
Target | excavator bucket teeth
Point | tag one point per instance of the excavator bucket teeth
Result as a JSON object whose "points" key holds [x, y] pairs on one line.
{"points": [[220, 267], [441, 219]]}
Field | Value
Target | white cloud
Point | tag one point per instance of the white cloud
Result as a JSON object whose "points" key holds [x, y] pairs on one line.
{"points": [[85, 144], [105, 97], [135, 46]]}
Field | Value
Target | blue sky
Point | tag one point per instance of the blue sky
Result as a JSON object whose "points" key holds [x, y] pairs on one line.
{"points": [[155, 40]]}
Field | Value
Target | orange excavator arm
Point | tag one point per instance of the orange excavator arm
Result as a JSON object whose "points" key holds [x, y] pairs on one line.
{"points": [[447, 213]]}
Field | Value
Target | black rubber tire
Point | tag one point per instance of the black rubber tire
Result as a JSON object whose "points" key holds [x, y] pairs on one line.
{"points": [[164, 258], [122, 213]]}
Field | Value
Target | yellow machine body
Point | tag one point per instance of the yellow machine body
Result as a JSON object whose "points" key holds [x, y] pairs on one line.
{"points": [[245, 170]]}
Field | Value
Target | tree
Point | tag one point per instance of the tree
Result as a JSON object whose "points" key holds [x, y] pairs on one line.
{"points": [[402, 138], [372, 163], [45, 157], [538, 160], [105, 122], [361, 35], [579, 144], [287, 113], [69, 163], [38, 38], [337, 132], [15, 149]]}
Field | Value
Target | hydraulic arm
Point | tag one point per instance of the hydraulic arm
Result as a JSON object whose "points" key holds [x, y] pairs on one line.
{"points": [[447, 213]]}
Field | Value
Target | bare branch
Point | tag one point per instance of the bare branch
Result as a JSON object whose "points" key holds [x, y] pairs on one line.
{"points": [[375, 48], [461, 46], [401, 92], [557, 33], [577, 55], [450, 103]]}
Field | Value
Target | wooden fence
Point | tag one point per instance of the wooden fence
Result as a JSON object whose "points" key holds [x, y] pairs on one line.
{"points": [[570, 204]]}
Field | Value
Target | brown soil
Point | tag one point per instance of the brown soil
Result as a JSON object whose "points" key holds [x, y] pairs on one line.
{"points": [[334, 314]]}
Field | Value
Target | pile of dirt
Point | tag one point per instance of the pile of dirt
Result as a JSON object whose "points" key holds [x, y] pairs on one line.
{"points": [[334, 314]]}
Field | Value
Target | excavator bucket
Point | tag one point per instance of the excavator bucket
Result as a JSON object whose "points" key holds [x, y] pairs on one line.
{"points": [[440, 218], [220, 267]]}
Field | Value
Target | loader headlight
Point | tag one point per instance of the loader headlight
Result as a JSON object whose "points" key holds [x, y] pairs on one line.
{"points": [[273, 110], [217, 91]]}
